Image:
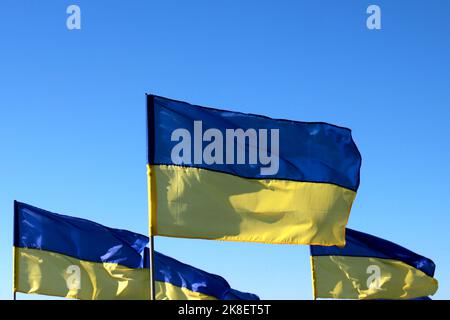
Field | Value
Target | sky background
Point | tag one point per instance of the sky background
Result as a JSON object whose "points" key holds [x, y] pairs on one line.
{"points": [[72, 113]]}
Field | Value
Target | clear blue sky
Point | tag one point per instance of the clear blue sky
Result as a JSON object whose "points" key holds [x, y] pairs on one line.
{"points": [[72, 113]]}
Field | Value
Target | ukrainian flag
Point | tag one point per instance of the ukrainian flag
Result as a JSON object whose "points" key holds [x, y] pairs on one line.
{"points": [[370, 268], [175, 280], [69, 257], [222, 175], [64, 256]]}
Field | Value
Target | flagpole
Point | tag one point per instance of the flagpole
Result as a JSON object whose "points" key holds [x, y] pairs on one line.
{"points": [[14, 250], [151, 197], [313, 276], [152, 268]]}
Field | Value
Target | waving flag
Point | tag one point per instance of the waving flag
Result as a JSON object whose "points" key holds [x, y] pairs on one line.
{"points": [[175, 280], [370, 268], [65, 256], [70, 257], [222, 175]]}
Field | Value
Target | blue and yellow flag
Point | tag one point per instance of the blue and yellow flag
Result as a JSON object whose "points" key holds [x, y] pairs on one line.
{"points": [[175, 280], [222, 175], [64, 256], [370, 268]]}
